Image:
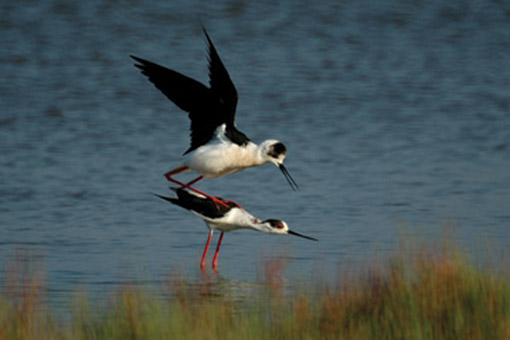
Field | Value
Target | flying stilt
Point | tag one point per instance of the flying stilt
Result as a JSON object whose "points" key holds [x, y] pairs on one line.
{"points": [[217, 147], [225, 217]]}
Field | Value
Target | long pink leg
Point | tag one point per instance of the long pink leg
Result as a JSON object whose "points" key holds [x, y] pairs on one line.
{"points": [[188, 185], [169, 174], [204, 255], [215, 200], [237, 204], [175, 171], [215, 258]]}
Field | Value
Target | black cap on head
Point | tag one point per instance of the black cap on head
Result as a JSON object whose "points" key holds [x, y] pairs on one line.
{"points": [[277, 149]]}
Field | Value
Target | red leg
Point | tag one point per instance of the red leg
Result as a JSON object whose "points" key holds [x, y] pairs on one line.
{"points": [[194, 181], [217, 201], [175, 171], [215, 258], [204, 255], [169, 174], [237, 204]]}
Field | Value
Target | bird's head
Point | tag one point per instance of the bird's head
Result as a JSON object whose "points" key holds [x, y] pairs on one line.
{"points": [[273, 226], [274, 151]]}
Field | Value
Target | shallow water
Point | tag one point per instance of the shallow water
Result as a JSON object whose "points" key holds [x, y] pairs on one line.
{"points": [[396, 118]]}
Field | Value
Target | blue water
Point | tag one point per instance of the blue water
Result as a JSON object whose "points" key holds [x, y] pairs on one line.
{"points": [[396, 115]]}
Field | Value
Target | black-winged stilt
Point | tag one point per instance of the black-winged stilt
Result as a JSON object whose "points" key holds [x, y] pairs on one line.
{"points": [[217, 148], [225, 217]]}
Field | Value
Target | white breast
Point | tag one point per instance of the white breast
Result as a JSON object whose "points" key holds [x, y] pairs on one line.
{"points": [[219, 158], [233, 220]]}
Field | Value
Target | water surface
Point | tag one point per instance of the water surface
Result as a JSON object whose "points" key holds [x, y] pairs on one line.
{"points": [[396, 117]]}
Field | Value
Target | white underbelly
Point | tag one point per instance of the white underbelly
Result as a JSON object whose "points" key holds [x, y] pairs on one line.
{"points": [[235, 219], [221, 159]]}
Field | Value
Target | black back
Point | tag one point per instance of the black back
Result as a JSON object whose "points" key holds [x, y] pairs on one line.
{"points": [[202, 205], [208, 108]]}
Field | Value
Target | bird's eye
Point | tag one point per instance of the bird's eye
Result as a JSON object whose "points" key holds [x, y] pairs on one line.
{"points": [[277, 224]]}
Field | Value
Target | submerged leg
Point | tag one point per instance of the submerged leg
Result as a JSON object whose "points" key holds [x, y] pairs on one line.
{"points": [[215, 258], [204, 255]]}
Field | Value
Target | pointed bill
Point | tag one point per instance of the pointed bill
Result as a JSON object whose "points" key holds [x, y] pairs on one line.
{"points": [[288, 177], [301, 235]]}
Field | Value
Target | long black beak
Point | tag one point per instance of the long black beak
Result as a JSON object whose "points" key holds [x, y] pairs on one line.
{"points": [[288, 177], [301, 235]]}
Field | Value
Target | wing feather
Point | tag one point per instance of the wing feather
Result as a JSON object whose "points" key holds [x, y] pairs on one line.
{"points": [[207, 108]]}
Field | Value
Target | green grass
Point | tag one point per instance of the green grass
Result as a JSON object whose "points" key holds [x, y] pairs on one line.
{"points": [[431, 292]]}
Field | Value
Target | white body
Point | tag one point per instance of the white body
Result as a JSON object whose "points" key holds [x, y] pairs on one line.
{"points": [[238, 218], [231, 217], [221, 157]]}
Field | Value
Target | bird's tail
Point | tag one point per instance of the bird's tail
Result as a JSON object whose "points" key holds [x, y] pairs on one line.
{"points": [[186, 199], [170, 199]]}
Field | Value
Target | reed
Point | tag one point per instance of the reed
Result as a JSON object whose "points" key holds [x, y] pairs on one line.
{"points": [[431, 292]]}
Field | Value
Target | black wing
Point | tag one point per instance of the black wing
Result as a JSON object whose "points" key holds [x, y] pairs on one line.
{"points": [[208, 108], [189, 95], [202, 205], [181, 90], [221, 84]]}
